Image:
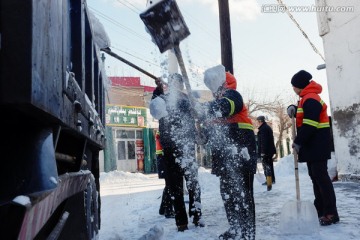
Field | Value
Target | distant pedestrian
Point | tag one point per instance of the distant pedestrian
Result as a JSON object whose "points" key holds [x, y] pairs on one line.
{"points": [[166, 206], [313, 143], [233, 149], [177, 128], [266, 150]]}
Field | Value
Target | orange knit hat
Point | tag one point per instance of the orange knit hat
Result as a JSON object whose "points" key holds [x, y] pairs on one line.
{"points": [[230, 81]]}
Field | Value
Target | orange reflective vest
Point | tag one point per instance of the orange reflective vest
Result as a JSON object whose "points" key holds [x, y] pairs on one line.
{"points": [[158, 147], [242, 119], [324, 118]]}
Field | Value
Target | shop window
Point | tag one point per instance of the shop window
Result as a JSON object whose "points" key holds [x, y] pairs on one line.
{"points": [[121, 150], [126, 140], [131, 134], [125, 134]]}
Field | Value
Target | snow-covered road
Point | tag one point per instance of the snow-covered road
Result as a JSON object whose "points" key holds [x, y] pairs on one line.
{"points": [[130, 204]]}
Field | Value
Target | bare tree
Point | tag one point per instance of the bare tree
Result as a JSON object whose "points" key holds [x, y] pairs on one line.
{"points": [[283, 124], [275, 108]]}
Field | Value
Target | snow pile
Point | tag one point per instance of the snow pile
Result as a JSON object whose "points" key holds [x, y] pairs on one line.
{"points": [[285, 166], [155, 233], [119, 176], [100, 36]]}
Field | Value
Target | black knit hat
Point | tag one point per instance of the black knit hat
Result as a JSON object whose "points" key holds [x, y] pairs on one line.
{"points": [[301, 79], [261, 118]]}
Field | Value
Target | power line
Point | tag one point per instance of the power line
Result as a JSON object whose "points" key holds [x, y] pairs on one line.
{"points": [[299, 27], [137, 57], [116, 23], [133, 6]]}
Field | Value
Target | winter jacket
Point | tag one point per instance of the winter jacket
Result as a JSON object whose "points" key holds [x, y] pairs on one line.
{"points": [[313, 128], [231, 134], [266, 144], [178, 127]]}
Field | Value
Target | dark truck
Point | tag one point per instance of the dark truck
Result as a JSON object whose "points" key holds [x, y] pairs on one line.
{"points": [[52, 103]]}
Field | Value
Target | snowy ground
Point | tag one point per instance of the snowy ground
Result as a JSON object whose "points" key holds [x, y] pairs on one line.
{"points": [[130, 203]]}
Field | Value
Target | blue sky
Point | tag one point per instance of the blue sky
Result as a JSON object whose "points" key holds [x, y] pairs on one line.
{"points": [[268, 48]]}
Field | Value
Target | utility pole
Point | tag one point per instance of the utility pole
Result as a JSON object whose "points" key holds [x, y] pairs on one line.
{"points": [[225, 36]]}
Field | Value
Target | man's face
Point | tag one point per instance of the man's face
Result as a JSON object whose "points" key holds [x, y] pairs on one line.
{"points": [[258, 123], [297, 90]]}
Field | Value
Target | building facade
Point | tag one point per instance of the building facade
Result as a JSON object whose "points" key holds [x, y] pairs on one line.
{"points": [[130, 141], [339, 27]]}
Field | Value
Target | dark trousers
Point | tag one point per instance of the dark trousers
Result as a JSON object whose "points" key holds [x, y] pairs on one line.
{"points": [[236, 189], [268, 166], [176, 173], [325, 199], [272, 170], [192, 184], [166, 201]]}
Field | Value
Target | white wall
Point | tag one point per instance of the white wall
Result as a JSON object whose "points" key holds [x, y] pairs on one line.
{"points": [[340, 32]]}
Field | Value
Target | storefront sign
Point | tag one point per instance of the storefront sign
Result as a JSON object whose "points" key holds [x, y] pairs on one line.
{"points": [[119, 115]]}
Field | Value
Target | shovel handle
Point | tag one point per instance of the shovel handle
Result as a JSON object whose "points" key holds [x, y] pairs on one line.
{"points": [[108, 51], [295, 160], [188, 87], [185, 76]]}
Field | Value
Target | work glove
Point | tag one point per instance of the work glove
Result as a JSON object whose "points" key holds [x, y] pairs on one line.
{"points": [[291, 111], [296, 147]]}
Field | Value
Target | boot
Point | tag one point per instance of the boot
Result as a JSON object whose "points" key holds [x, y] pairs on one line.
{"points": [[269, 183], [329, 219], [197, 221], [182, 228], [169, 213]]}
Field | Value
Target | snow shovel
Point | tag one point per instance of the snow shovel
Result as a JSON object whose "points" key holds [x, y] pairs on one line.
{"points": [[167, 27], [298, 217]]}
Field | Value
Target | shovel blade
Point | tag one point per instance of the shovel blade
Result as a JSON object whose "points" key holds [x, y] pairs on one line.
{"points": [[165, 24], [299, 217]]}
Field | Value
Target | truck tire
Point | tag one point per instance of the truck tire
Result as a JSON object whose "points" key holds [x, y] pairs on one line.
{"points": [[91, 209]]}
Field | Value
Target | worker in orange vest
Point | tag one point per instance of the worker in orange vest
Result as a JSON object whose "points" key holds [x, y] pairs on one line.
{"points": [[313, 143], [231, 138], [166, 206]]}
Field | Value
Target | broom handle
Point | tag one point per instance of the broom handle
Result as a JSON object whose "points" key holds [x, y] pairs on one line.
{"points": [[184, 74], [295, 161]]}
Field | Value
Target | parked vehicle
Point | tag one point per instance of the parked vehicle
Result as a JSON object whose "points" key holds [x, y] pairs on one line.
{"points": [[52, 120]]}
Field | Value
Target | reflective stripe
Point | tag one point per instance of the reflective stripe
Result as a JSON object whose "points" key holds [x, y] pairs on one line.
{"points": [[316, 124], [300, 110], [310, 122], [246, 126], [232, 106], [324, 125], [159, 152]]}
